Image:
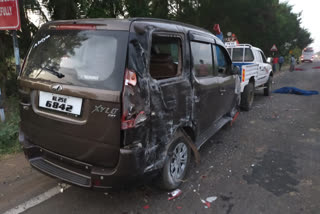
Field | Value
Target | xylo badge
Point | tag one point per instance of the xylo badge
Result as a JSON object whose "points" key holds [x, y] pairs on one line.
{"points": [[110, 112]]}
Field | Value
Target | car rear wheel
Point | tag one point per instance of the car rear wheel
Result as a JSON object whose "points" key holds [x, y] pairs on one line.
{"points": [[176, 163], [247, 97], [267, 90]]}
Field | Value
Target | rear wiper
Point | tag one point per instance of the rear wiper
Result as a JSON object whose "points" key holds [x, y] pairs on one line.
{"points": [[52, 71]]}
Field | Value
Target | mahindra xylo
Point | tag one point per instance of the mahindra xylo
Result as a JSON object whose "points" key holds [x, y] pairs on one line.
{"points": [[104, 101]]}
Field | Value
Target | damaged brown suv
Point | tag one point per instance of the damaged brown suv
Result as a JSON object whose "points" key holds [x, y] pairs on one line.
{"points": [[105, 101]]}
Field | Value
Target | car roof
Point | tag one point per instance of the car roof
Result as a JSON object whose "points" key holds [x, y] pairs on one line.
{"points": [[124, 24]]}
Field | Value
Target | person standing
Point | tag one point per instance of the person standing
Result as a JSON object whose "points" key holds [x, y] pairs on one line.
{"points": [[2, 116], [275, 62], [281, 61], [292, 63]]}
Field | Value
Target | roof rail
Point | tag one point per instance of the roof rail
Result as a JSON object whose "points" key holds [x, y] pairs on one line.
{"points": [[169, 22], [245, 45]]}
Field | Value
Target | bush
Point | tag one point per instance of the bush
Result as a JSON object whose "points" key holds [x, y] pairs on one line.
{"points": [[9, 130]]}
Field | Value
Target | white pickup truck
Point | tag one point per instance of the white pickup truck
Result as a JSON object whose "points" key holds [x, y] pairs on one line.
{"points": [[255, 72]]}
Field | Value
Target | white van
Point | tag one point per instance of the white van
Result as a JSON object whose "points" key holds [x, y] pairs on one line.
{"points": [[307, 55]]}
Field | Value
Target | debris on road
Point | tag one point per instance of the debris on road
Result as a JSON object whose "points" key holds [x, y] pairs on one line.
{"points": [[207, 204], [208, 201], [211, 199], [174, 194], [294, 90], [63, 187]]}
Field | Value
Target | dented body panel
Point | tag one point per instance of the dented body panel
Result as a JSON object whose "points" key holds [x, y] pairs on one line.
{"points": [[126, 133]]}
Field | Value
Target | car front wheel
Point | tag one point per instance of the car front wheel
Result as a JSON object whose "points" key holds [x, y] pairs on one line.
{"points": [[268, 88]]}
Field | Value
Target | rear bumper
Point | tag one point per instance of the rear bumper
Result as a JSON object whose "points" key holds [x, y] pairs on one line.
{"points": [[129, 169]]}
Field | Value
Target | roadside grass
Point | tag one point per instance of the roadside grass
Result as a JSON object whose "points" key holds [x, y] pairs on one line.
{"points": [[9, 130]]}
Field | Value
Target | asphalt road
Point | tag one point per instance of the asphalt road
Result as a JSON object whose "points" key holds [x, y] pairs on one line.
{"points": [[267, 162]]}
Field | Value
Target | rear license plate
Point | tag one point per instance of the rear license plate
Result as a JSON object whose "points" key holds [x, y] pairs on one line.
{"points": [[60, 102]]}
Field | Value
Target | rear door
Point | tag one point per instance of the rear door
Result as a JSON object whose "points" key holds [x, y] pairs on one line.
{"points": [[170, 89], [70, 93]]}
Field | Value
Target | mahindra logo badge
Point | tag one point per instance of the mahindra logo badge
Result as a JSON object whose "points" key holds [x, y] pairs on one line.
{"points": [[56, 87]]}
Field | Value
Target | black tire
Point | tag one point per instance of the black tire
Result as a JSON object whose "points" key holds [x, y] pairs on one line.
{"points": [[170, 177], [267, 90], [247, 97]]}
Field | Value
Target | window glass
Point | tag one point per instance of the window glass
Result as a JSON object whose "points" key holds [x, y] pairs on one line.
{"points": [[202, 59], [248, 55], [229, 50], [237, 54], [165, 59], [223, 65], [263, 57], [310, 50], [78, 57]]}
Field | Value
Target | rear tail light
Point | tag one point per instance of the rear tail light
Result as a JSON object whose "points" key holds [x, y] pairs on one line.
{"points": [[131, 123], [130, 78], [74, 27], [130, 116], [243, 75]]}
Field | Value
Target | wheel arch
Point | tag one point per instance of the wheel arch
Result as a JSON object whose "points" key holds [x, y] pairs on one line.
{"points": [[252, 80]]}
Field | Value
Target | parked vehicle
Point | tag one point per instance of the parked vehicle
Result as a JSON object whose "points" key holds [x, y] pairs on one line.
{"points": [[256, 72], [106, 101], [307, 55]]}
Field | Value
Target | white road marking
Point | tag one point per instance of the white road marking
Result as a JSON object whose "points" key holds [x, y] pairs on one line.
{"points": [[36, 200]]}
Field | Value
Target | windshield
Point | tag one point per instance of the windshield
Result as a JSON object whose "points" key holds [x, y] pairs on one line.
{"points": [[308, 50], [87, 58]]}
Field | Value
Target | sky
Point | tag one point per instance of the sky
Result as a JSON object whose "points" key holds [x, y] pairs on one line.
{"points": [[310, 18]]}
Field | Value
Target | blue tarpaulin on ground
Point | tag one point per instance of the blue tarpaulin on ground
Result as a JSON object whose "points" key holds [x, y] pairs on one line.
{"points": [[293, 90]]}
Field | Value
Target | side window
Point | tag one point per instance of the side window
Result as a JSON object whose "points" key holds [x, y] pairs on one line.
{"points": [[248, 55], [165, 60], [222, 62], [202, 59], [258, 56], [263, 57]]}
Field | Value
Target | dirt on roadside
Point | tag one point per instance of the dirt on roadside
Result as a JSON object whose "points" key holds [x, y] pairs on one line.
{"points": [[19, 182]]}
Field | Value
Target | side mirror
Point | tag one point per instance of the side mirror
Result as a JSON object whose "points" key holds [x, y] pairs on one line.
{"points": [[235, 69], [269, 60]]}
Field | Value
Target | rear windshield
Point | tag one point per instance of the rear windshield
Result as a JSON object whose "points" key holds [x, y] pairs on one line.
{"points": [[308, 50], [88, 58], [237, 55]]}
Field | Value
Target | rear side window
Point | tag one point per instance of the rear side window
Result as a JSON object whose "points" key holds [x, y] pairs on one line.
{"points": [[166, 60], [263, 57], [87, 58], [248, 55], [202, 59]]}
